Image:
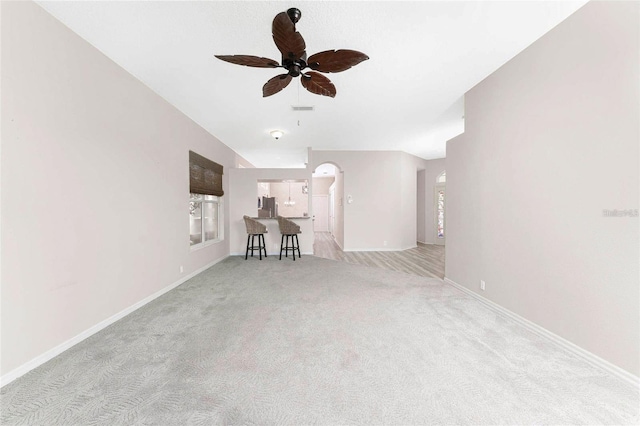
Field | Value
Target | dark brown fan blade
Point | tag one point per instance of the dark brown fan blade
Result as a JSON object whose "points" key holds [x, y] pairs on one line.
{"points": [[249, 61], [318, 84], [289, 42], [335, 60], [275, 85]]}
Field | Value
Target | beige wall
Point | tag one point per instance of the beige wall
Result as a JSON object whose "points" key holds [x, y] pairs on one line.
{"points": [[280, 191], [338, 209], [407, 210], [383, 187], [371, 179], [241, 162], [551, 141], [95, 187], [321, 185], [420, 215]]}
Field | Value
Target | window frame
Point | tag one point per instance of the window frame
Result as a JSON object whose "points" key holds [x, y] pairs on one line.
{"points": [[218, 202]]}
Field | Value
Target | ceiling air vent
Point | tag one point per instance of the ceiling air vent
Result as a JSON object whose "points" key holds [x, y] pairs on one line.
{"points": [[301, 108]]}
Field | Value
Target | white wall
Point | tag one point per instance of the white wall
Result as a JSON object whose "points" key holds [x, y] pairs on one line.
{"points": [[95, 187], [243, 201], [551, 141], [383, 187]]}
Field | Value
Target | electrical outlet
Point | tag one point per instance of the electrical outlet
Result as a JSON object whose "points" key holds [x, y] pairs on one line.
{"points": [[181, 269], [482, 284], [384, 243]]}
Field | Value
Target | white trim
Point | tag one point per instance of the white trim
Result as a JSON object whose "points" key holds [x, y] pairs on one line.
{"points": [[560, 341], [430, 244], [219, 203], [208, 243], [51, 353]]}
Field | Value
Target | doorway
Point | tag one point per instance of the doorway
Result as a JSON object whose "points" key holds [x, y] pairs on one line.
{"points": [[327, 208], [320, 204], [439, 214], [332, 212]]}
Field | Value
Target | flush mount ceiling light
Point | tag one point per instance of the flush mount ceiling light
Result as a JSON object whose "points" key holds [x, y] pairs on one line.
{"points": [[294, 59], [276, 134]]}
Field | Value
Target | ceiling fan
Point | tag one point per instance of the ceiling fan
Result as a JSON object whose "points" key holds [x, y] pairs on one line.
{"points": [[294, 59]]}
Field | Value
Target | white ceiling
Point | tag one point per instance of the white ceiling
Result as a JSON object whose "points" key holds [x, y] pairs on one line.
{"points": [[408, 96]]}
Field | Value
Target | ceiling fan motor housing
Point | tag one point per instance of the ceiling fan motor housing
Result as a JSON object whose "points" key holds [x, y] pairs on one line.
{"points": [[294, 14], [295, 67]]}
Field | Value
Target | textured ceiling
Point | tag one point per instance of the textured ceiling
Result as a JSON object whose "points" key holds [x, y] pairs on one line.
{"points": [[408, 96]]}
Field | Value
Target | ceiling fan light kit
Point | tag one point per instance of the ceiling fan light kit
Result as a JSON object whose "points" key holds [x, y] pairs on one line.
{"points": [[294, 59]]}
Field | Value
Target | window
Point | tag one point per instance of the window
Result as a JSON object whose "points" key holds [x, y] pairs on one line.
{"points": [[204, 219], [440, 212], [440, 206], [205, 200]]}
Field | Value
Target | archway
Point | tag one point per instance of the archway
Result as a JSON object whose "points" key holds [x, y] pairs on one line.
{"points": [[327, 192]]}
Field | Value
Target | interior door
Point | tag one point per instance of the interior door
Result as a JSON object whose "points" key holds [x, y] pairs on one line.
{"points": [[320, 213], [439, 205]]}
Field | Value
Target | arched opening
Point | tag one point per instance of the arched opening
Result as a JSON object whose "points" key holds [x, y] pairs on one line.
{"points": [[327, 210]]}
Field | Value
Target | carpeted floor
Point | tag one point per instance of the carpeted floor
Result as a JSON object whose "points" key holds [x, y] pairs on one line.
{"points": [[315, 341]]}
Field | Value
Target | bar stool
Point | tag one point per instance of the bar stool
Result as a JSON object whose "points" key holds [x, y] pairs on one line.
{"points": [[255, 228], [289, 229]]}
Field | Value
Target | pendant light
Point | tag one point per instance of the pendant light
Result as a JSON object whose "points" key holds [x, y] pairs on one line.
{"points": [[289, 202]]}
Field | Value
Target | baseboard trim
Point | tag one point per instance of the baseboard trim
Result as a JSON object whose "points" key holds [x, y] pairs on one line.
{"points": [[561, 341], [430, 244], [51, 353], [382, 249]]}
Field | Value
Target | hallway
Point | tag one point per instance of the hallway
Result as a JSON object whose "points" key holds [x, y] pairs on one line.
{"points": [[426, 260]]}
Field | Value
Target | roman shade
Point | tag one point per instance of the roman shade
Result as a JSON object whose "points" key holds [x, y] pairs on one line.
{"points": [[205, 176]]}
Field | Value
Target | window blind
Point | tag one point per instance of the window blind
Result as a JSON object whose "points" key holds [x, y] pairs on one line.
{"points": [[205, 176]]}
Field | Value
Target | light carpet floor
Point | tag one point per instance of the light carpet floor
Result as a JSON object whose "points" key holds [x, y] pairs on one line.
{"points": [[315, 341]]}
